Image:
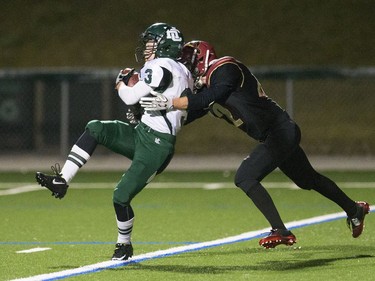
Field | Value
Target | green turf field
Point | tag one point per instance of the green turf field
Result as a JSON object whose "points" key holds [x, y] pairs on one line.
{"points": [[80, 230]]}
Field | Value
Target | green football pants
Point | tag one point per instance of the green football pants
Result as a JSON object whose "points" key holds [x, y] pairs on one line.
{"points": [[149, 150]]}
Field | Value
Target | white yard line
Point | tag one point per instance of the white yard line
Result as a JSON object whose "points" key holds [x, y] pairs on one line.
{"points": [[20, 189], [179, 250], [33, 250]]}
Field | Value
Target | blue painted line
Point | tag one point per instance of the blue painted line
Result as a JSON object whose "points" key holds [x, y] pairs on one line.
{"points": [[181, 249]]}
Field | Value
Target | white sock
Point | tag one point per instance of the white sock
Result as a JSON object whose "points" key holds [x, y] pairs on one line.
{"points": [[76, 159], [124, 231]]}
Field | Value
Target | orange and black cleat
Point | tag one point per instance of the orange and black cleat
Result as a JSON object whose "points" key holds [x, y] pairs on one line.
{"points": [[277, 237], [356, 223]]}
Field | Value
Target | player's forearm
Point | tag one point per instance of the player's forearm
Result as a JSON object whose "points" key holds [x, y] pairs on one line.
{"points": [[180, 103], [132, 95]]}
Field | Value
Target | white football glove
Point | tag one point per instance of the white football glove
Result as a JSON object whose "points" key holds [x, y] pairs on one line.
{"points": [[158, 102]]}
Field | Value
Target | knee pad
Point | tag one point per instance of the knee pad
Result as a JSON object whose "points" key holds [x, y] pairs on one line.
{"points": [[246, 176], [237, 179], [132, 182], [121, 198], [95, 127], [245, 184]]}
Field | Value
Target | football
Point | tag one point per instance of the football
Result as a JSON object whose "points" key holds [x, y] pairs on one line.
{"points": [[133, 79]]}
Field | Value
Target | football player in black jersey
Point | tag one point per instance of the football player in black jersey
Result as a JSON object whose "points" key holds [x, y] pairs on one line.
{"points": [[230, 91]]}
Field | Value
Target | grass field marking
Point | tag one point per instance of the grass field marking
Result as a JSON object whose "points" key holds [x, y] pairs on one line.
{"points": [[33, 250], [209, 186], [181, 249], [20, 189]]}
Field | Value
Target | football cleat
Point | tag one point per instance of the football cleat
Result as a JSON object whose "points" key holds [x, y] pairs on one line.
{"points": [[356, 223], [277, 237], [122, 252], [55, 183]]}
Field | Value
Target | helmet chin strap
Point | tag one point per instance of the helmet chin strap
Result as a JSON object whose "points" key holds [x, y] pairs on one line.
{"points": [[199, 82]]}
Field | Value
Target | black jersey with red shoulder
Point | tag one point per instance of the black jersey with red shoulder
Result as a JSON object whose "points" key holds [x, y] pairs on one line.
{"points": [[233, 93]]}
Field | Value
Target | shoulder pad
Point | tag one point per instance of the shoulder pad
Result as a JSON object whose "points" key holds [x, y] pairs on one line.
{"points": [[157, 75], [165, 80], [217, 63]]}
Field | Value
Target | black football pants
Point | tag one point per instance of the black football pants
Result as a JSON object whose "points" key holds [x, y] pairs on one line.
{"points": [[281, 149]]}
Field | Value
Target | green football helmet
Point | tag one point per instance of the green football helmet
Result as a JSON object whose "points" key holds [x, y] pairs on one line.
{"points": [[167, 42]]}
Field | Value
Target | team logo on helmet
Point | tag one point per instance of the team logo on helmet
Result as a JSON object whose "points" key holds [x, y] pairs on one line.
{"points": [[174, 34]]}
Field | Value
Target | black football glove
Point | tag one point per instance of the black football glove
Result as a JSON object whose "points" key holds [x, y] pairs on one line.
{"points": [[133, 114], [125, 75]]}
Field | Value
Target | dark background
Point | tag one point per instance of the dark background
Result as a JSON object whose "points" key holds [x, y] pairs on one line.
{"points": [[258, 32], [336, 115]]}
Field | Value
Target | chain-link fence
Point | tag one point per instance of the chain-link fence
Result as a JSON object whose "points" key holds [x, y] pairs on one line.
{"points": [[45, 111]]}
